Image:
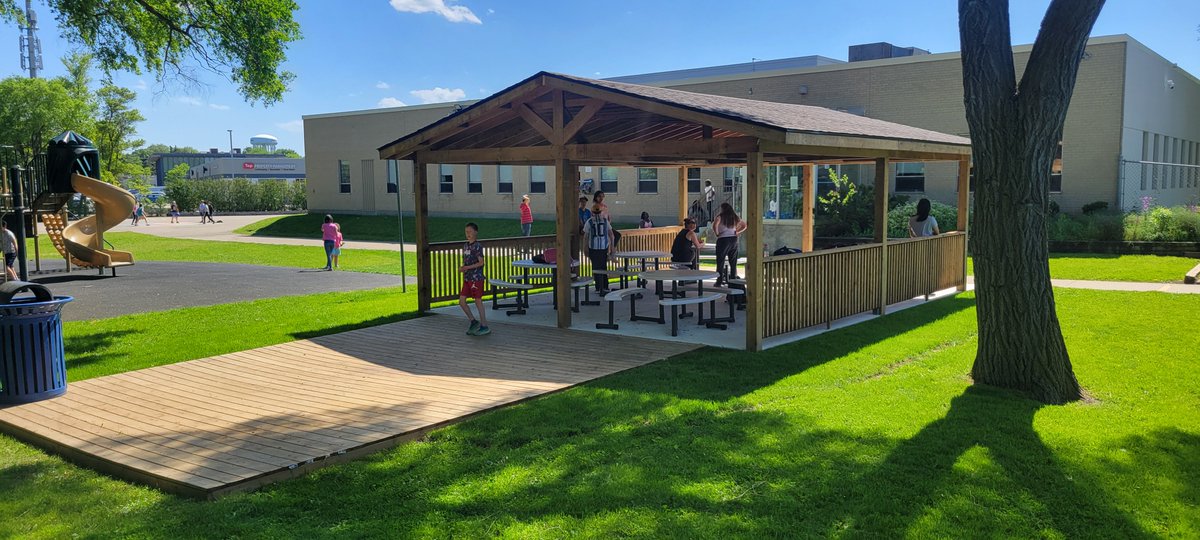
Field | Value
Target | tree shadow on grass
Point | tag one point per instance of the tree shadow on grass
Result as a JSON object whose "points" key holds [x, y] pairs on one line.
{"points": [[718, 375], [1060, 497], [82, 350]]}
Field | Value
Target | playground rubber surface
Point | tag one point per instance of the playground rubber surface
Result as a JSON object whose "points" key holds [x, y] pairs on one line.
{"points": [[160, 286]]}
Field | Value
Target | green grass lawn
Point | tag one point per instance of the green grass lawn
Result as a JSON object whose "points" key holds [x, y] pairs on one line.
{"points": [[147, 247], [1099, 267], [385, 228], [873, 431]]}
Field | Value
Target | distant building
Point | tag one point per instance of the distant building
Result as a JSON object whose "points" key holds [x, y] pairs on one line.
{"points": [[232, 165], [251, 166], [1130, 133]]}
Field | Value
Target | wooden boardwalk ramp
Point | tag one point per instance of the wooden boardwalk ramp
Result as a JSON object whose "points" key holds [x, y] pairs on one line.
{"points": [[234, 422]]}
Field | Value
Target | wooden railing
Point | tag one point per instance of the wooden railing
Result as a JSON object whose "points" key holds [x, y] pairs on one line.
{"points": [[921, 266], [499, 253], [654, 239], [814, 288]]}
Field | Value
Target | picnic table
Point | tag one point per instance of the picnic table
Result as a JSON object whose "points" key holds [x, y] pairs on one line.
{"points": [[642, 257], [529, 264], [676, 276]]}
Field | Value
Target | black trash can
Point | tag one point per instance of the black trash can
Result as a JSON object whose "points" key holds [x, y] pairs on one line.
{"points": [[32, 364]]}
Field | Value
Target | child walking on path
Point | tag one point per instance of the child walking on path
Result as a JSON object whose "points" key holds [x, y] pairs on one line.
{"points": [[472, 287]]}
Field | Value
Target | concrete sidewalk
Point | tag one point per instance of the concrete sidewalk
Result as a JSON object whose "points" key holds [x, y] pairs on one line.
{"points": [[189, 227], [1173, 288]]}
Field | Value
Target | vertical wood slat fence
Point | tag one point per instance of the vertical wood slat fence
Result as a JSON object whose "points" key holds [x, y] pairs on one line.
{"points": [[920, 266], [808, 289], [499, 253]]}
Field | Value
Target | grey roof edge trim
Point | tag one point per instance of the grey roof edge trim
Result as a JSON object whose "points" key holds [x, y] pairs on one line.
{"points": [[359, 112]]}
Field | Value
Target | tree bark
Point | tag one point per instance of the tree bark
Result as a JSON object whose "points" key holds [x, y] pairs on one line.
{"points": [[1015, 130]]}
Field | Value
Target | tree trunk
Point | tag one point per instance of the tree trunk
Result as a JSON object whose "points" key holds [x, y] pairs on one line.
{"points": [[1015, 131]]}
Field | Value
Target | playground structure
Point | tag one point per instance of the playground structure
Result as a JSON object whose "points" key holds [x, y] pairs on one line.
{"points": [[44, 188]]}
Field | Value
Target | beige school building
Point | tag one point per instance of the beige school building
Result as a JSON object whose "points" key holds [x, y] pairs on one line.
{"points": [[1132, 131]]}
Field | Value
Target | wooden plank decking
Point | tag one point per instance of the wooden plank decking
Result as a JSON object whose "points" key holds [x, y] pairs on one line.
{"points": [[237, 421]]}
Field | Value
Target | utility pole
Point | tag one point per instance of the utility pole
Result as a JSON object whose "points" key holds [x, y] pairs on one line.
{"points": [[230, 142], [31, 46]]}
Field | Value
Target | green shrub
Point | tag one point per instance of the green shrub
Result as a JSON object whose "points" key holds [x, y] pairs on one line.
{"points": [[1093, 207], [238, 194], [1161, 224], [946, 215], [1103, 226]]}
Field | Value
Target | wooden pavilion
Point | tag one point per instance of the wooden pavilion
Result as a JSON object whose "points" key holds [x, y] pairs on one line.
{"points": [[568, 122]]}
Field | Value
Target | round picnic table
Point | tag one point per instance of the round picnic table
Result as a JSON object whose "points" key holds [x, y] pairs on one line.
{"points": [[682, 274], [528, 264], [643, 256]]}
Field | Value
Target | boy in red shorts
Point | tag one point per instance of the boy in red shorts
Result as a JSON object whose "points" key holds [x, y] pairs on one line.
{"points": [[472, 271]]}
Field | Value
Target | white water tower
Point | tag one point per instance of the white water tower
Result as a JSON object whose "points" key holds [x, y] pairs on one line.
{"points": [[264, 141]]}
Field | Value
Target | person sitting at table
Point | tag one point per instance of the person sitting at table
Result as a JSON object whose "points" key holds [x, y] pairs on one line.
{"points": [[599, 234], [728, 227], [646, 222], [686, 247]]}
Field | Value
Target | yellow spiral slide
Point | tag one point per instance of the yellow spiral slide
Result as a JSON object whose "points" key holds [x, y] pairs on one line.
{"points": [[84, 239]]}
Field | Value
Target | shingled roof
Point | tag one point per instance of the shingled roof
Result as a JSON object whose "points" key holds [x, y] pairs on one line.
{"points": [[787, 116], [607, 112]]}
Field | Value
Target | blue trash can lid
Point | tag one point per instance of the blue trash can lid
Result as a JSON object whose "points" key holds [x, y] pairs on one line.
{"points": [[13, 288]]}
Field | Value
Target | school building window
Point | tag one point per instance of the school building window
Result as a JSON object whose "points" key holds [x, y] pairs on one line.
{"points": [[647, 180], [910, 177], [446, 179], [504, 181], [732, 176], [1056, 171], [344, 175], [537, 179], [824, 181], [608, 179], [475, 179], [393, 169], [693, 179]]}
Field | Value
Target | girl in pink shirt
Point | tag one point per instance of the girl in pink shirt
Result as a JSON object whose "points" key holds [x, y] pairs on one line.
{"points": [[330, 232]]}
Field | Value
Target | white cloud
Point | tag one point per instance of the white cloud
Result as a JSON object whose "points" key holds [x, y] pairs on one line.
{"points": [[141, 85], [218, 107], [293, 126], [491, 11], [188, 100], [454, 14], [389, 102], [382, 85], [439, 95]]}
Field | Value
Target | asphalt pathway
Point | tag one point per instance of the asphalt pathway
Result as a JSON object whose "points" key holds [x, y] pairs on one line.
{"points": [[159, 286]]}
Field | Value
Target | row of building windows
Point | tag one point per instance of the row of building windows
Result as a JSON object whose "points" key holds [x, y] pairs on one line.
{"points": [[909, 177], [1165, 154]]}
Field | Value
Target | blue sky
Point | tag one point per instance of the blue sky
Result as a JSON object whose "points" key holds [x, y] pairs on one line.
{"points": [[362, 54]]}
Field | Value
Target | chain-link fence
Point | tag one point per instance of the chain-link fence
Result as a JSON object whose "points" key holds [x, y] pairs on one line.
{"points": [[1144, 183]]}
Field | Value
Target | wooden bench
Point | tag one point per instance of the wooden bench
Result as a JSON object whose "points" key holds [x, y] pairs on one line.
{"points": [[585, 284], [1192, 276], [632, 293], [675, 303], [501, 287]]}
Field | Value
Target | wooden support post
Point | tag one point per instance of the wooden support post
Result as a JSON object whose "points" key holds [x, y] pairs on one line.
{"points": [[573, 219], [565, 209], [754, 252], [808, 197], [421, 216], [683, 195], [964, 207], [881, 226]]}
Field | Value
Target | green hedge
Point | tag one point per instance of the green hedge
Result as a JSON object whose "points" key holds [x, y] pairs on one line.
{"points": [[1155, 224], [239, 194]]}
